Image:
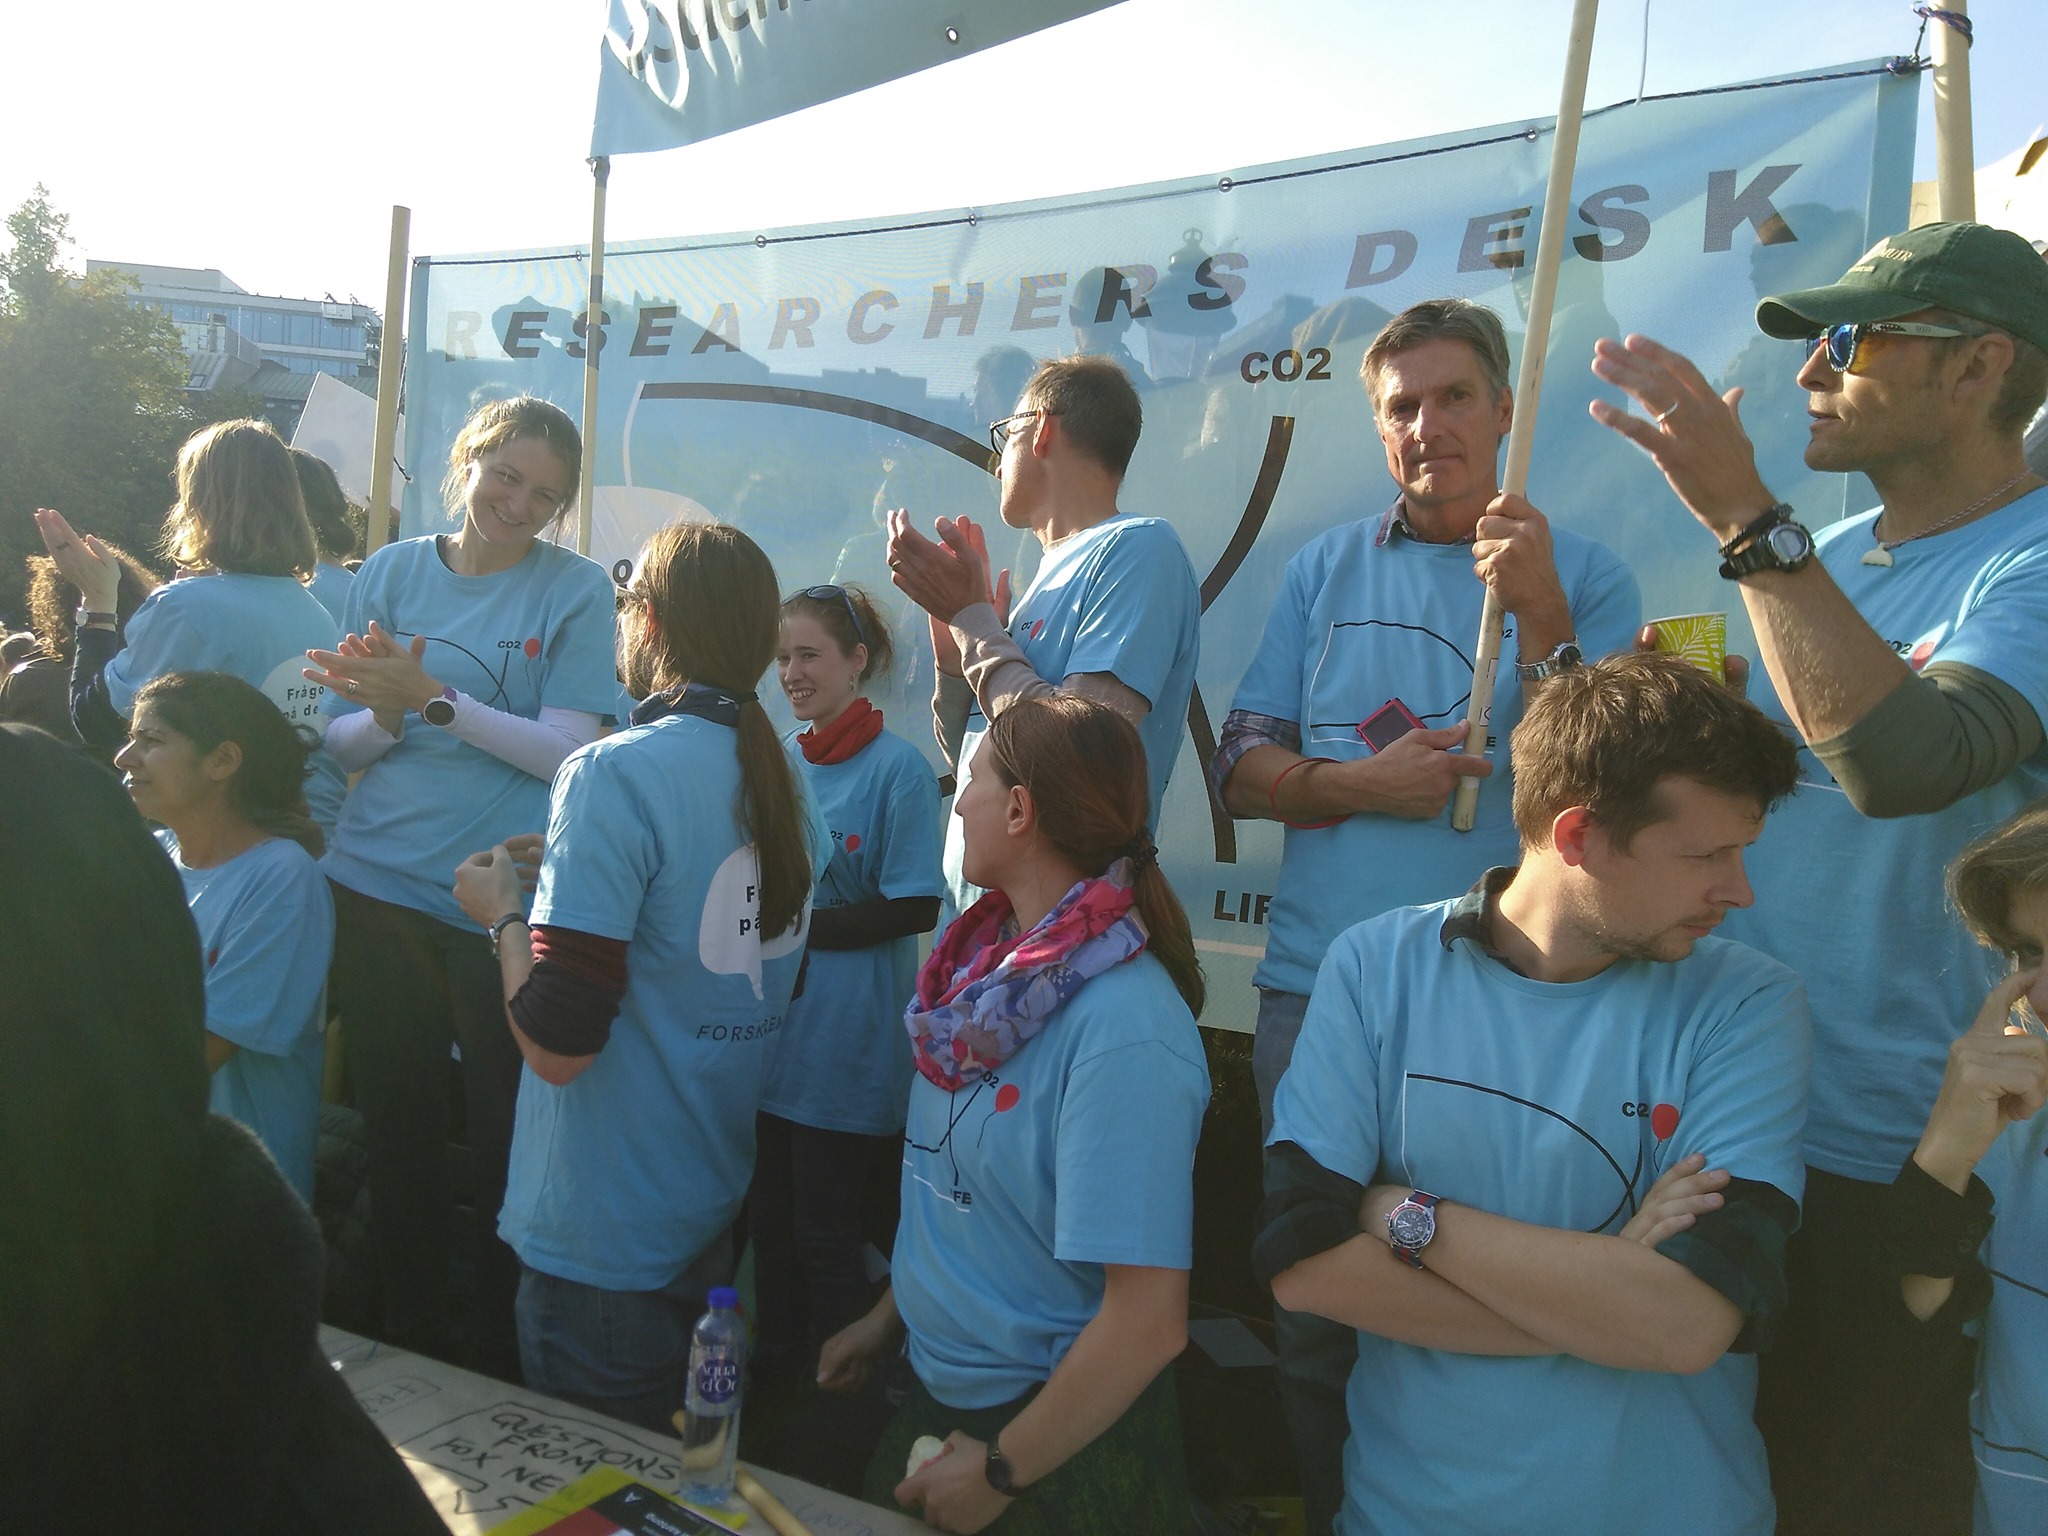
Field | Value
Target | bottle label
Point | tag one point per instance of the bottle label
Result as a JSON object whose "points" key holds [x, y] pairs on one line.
{"points": [[718, 1378]]}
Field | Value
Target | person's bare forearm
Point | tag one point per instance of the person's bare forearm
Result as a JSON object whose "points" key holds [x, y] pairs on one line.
{"points": [[1139, 1330], [1603, 1299], [1311, 793], [1363, 1284], [1829, 666]]}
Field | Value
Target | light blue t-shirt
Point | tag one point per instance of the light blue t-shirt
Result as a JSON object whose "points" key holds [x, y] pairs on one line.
{"points": [[266, 935], [1855, 904], [1120, 598], [1359, 622], [2009, 1414], [842, 1061], [257, 628], [1079, 1151], [625, 1175], [1442, 1069], [537, 634], [330, 585]]}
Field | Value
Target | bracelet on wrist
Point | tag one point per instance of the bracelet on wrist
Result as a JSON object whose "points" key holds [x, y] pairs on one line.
{"points": [[1273, 798]]}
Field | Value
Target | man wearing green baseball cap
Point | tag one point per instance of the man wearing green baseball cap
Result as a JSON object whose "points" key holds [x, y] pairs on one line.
{"points": [[1908, 649]]}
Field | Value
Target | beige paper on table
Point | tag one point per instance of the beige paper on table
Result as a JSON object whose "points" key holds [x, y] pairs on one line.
{"points": [[484, 1451]]}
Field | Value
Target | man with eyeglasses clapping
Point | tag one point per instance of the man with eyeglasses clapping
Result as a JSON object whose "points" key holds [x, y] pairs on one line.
{"points": [[1905, 648]]}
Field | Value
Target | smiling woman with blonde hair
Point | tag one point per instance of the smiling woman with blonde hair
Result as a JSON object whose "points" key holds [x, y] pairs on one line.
{"points": [[472, 663]]}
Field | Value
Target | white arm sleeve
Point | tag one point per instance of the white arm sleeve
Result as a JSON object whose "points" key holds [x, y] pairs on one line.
{"points": [[537, 747], [356, 740]]}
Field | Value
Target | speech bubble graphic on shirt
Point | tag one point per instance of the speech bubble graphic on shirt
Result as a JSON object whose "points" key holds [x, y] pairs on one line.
{"points": [[296, 699], [729, 941]]}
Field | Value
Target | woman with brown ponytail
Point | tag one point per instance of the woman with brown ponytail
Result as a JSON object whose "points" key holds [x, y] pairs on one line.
{"points": [[646, 991], [211, 759], [1048, 1204]]}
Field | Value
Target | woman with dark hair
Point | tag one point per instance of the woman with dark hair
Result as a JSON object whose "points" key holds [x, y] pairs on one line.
{"points": [[645, 994], [37, 690], [224, 774], [472, 664], [160, 1300], [239, 532], [333, 535], [1041, 1265], [836, 1095]]}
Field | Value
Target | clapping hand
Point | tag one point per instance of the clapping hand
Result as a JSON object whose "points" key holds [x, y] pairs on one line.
{"points": [[81, 560]]}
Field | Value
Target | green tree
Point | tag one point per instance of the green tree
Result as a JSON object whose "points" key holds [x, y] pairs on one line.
{"points": [[92, 398]]}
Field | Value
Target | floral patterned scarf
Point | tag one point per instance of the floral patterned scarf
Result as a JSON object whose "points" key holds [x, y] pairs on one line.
{"points": [[987, 988]]}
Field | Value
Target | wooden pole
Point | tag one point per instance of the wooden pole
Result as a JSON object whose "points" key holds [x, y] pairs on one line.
{"points": [[390, 359], [1955, 170], [593, 340], [1564, 155]]}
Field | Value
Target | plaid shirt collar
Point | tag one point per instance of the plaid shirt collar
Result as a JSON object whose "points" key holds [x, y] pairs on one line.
{"points": [[1395, 520]]}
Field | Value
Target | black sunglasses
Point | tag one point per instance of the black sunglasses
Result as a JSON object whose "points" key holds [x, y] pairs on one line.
{"points": [[829, 593], [999, 431]]}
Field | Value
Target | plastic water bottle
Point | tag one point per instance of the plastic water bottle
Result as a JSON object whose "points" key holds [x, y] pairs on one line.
{"points": [[711, 1407]]}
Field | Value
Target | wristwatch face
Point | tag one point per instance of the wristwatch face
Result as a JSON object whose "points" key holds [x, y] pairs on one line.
{"points": [[1411, 1226], [438, 712], [1789, 542], [1566, 655], [996, 1468]]}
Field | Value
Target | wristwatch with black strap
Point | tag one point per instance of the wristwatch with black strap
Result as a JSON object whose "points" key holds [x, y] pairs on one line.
{"points": [[996, 1468], [1772, 542], [1411, 1224]]}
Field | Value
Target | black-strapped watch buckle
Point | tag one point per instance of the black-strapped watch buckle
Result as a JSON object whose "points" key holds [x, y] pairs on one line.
{"points": [[1775, 541], [995, 1466]]}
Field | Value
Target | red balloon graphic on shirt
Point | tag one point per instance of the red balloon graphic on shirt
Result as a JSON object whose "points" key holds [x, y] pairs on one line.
{"points": [[1007, 1097], [853, 842], [1663, 1121], [532, 648]]}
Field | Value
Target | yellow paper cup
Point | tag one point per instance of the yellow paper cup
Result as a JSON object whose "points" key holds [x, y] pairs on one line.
{"points": [[1700, 638]]}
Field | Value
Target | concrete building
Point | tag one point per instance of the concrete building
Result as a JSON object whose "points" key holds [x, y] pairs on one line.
{"points": [[267, 345]]}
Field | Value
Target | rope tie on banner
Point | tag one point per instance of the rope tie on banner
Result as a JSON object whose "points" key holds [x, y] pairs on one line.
{"points": [[1954, 20]]}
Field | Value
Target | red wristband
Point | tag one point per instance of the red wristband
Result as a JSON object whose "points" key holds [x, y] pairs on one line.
{"points": [[1273, 798]]}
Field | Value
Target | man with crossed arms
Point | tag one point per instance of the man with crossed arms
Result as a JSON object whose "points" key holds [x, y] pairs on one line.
{"points": [[1482, 1090]]}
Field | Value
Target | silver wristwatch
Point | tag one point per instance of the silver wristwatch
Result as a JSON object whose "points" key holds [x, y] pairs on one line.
{"points": [[1566, 655]]}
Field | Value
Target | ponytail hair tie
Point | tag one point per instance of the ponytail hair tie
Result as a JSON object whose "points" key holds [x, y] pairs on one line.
{"points": [[1141, 851]]}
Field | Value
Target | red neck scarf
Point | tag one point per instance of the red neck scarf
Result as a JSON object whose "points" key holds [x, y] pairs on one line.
{"points": [[858, 724]]}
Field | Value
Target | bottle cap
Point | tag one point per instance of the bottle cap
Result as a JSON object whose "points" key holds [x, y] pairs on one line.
{"points": [[723, 1298]]}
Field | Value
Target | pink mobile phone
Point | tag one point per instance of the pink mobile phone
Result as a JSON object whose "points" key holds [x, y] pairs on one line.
{"points": [[1387, 725]]}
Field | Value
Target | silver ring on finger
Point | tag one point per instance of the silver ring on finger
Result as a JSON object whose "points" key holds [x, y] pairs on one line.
{"points": [[1666, 414], [353, 687]]}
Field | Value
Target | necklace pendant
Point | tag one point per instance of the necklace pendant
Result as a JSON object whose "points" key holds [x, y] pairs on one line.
{"points": [[1877, 556]]}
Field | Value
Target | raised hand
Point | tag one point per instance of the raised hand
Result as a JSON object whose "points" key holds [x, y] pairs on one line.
{"points": [[1694, 433], [81, 560], [1997, 1073]]}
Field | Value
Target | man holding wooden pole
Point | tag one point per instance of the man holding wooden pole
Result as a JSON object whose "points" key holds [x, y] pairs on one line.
{"points": [[1905, 647]]}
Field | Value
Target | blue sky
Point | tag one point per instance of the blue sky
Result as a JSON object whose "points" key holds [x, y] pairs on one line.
{"points": [[270, 139]]}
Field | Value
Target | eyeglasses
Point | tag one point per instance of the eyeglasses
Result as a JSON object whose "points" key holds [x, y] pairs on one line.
{"points": [[1842, 341], [826, 594], [999, 431]]}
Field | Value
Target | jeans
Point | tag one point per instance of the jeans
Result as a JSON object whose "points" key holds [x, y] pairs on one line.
{"points": [[1316, 1355], [625, 1353], [408, 987], [804, 1219]]}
